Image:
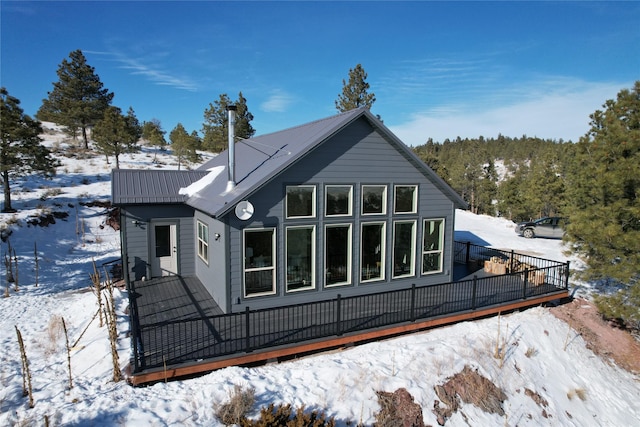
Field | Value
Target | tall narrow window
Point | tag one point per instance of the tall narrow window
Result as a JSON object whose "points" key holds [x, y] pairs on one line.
{"points": [[259, 262], [372, 252], [337, 255], [405, 199], [432, 246], [338, 200], [203, 241], [301, 201], [301, 256], [374, 199], [404, 242]]}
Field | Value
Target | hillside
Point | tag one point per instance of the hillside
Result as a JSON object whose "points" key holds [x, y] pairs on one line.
{"points": [[547, 371]]}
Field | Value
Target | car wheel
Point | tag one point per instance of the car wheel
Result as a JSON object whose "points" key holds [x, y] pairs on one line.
{"points": [[528, 233]]}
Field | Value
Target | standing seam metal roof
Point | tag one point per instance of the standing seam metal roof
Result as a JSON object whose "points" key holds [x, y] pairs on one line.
{"points": [[134, 186]]}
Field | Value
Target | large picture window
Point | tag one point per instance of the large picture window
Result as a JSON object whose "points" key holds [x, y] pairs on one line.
{"points": [[338, 200], [301, 201], [203, 241], [432, 247], [404, 239], [337, 255], [259, 262], [405, 199], [374, 199], [372, 252], [301, 257]]}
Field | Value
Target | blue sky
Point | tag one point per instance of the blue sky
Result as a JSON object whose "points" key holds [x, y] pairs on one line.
{"points": [[438, 69]]}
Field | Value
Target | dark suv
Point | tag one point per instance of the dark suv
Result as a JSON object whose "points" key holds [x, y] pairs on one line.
{"points": [[552, 227]]}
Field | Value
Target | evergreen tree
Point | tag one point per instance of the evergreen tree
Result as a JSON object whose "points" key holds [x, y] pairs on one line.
{"points": [[78, 99], [152, 132], [216, 123], [116, 134], [21, 152], [604, 184], [184, 145], [355, 92]]}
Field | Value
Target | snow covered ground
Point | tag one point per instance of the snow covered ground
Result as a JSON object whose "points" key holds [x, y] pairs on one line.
{"points": [[543, 354]]}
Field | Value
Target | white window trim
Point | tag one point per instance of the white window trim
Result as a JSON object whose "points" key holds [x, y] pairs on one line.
{"points": [[202, 243], [349, 254], [326, 195], [414, 208], [441, 245], [384, 200], [273, 266], [313, 204], [383, 245], [413, 247], [313, 258]]}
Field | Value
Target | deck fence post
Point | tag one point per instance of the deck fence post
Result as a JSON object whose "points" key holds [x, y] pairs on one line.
{"points": [[473, 292], [413, 302], [511, 261], [526, 279], [247, 330], [566, 276], [338, 317], [468, 255]]}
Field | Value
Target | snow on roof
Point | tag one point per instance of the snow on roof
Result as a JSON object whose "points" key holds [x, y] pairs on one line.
{"points": [[203, 182]]}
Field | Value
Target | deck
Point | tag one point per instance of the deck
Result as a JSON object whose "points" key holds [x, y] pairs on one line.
{"points": [[179, 330]]}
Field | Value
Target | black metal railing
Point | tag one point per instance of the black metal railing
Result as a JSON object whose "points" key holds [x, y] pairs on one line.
{"points": [[182, 341]]}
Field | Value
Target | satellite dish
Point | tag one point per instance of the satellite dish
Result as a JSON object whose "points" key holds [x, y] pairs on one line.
{"points": [[244, 210]]}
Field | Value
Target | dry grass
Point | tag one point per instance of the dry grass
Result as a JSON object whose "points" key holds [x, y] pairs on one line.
{"points": [[54, 334], [236, 409], [579, 392]]}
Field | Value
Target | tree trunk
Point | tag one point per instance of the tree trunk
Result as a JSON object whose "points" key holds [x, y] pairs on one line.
{"points": [[84, 137], [7, 193]]}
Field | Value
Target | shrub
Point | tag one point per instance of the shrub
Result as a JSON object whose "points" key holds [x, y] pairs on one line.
{"points": [[236, 409], [282, 415]]}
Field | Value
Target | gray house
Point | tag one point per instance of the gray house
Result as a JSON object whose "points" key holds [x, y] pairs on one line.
{"points": [[335, 206]]}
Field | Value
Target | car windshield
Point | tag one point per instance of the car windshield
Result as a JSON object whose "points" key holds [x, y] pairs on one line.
{"points": [[543, 221]]}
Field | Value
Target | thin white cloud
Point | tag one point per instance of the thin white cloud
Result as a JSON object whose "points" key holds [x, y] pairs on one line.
{"points": [[278, 102], [560, 112], [158, 74]]}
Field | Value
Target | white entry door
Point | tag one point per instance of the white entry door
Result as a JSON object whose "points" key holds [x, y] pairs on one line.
{"points": [[164, 247]]}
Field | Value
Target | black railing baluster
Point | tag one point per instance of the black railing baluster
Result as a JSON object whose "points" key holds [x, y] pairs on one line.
{"points": [[338, 312], [247, 330], [524, 287]]}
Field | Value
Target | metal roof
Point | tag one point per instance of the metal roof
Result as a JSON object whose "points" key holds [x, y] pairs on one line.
{"points": [[148, 186], [258, 160]]}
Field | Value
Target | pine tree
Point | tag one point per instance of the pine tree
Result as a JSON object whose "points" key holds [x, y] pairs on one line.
{"points": [[116, 134], [184, 145], [21, 152], [216, 123], [152, 132], [355, 93], [78, 99], [604, 189]]}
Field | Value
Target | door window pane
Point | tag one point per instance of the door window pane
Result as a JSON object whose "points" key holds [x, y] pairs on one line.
{"points": [[337, 257], [163, 240], [300, 258], [372, 252], [403, 244]]}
